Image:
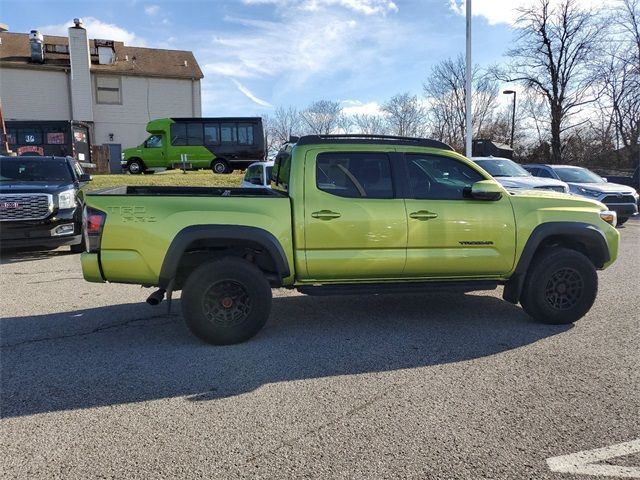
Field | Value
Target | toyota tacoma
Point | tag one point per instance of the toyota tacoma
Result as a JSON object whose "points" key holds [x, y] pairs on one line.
{"points": [[349, 214]]}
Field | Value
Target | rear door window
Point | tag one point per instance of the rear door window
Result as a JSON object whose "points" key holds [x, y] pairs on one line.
{"points": [[355, 175]]}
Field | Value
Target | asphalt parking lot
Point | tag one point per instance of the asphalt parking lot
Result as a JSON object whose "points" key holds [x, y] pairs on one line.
{"points": [[97, 384]]}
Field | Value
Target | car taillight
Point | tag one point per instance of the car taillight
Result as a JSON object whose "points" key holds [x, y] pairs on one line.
{"points": [[92, 225]]}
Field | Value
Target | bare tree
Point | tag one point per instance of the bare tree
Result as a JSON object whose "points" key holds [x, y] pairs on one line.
{"points": [[286, 122], [619, 72], [553, 51], [370, 124], [322, 117], [405, 115], [445, 89]]}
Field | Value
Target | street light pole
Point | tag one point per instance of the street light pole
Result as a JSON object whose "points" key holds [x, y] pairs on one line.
{"points": [[513, 113], [468, 86]]}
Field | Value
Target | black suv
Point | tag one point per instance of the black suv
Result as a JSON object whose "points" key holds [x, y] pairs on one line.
{"points": [[41, 202]]}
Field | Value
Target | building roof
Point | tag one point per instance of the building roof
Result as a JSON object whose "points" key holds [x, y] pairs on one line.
{"points": [[15, 51]]}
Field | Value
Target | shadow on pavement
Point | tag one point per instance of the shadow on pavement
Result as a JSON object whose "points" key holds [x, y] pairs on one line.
{"points": [[30, 254], [136, 353]]}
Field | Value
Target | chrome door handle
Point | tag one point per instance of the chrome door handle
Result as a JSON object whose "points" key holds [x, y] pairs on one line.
{"points": [[326, 215], [423, 215]]}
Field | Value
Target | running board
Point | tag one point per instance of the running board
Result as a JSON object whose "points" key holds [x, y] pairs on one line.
{"points": [[406, 287]]}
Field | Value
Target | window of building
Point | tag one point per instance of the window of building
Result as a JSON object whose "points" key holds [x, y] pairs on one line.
{"points": [[439, 178], [11, 137], [108, 90], [211, 134], [228, 133], [355, 175], [178, 134], [245, 134], [194, 134]]}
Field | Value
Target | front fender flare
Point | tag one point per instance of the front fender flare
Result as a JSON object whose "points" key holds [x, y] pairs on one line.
{"points": [[590, 236]]}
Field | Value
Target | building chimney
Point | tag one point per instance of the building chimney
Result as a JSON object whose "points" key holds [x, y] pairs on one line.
{"points": [[81, 93], [36, 42]]}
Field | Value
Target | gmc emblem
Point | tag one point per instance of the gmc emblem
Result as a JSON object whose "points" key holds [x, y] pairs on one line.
{"points": [[9, 205]]}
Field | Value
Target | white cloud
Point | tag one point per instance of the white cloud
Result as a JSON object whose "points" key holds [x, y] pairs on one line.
{"points": [[506, 11], [298, 47], [366, 7], [356, 107], [250, 94], [95, 29], [151, 10]]}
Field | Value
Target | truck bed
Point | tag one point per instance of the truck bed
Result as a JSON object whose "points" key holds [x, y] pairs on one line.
{"points": [[188, 191]]}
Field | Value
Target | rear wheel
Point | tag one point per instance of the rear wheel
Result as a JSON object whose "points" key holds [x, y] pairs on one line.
{"points": [[135, 166], [560, 286], [220, 166], [226, 301]]}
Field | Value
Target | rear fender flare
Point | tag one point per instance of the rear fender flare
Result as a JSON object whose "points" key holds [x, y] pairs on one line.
{"points": [[226, 235]]}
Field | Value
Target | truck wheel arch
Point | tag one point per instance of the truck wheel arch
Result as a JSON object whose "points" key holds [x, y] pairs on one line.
{"points": [[583, 237], [221, 240]]}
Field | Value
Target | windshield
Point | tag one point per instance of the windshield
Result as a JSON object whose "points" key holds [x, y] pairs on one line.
{"points": [[34, 170], [503, 168], [577, 175]]}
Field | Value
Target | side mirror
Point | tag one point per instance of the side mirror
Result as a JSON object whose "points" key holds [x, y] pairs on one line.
{"points": [[487, 190], [605, 179], [255, 180], [85, 177]]}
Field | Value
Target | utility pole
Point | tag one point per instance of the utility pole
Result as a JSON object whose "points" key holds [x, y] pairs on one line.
{"points": [[468, 106], [513, 113]]}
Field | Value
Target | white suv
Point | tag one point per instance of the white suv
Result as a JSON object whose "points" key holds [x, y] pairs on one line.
{"points": [[513, 177]]}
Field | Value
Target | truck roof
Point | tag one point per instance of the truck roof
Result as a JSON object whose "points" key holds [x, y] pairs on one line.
{"points": [[369, 139]]}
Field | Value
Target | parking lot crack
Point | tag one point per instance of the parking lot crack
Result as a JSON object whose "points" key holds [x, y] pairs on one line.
{"points": [[169, 318]]}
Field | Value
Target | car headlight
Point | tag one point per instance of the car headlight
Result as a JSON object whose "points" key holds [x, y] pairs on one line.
{"points": [[610, 217], [591, 193], [67, 199]]}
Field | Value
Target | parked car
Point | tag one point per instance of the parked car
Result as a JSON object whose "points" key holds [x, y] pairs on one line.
{"points": [[41, 202], [258, 175], [349, 215], [619, 198], [630, 181], [221, 144], [513, 176]]}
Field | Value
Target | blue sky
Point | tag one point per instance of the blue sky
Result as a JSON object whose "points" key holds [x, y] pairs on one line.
{"points": [[259, 54]]}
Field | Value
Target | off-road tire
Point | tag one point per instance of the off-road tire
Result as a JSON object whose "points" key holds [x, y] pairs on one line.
{"points": [[226, 301], [220, 166], [560, 287], [135, 166]]}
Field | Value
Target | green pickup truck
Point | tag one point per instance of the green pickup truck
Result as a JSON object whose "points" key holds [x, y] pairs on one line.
{"points": [[349, 214]]}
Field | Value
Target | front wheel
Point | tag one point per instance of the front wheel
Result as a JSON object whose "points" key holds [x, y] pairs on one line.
{"points": [[560, 287], [135, 167], [226, 301], [622, 220]]}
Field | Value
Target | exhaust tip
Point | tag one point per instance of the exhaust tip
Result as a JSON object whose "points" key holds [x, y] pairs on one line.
{"points": [[156, 297]]}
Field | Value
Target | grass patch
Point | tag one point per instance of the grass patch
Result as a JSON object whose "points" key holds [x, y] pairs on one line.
{"points": [[169, 178]]}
